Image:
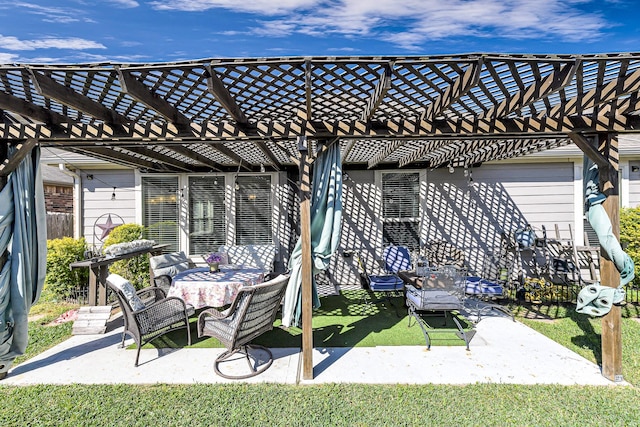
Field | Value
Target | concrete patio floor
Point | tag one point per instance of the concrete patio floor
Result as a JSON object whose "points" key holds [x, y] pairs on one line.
{"points": [[502, 351]]}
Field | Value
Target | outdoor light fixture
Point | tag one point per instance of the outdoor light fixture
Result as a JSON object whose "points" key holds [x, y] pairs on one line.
{"points": [[113, 195], [635, 168], [451, 169], [262, 167], [90, 177]]}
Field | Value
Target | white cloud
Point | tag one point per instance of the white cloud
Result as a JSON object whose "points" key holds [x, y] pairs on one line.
{"points": [[127, 4], [73, 43], [411, 23], [50, 14], [263, 7], [8, 58]]}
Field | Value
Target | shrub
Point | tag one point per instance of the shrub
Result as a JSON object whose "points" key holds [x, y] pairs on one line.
{"points": [[630, 237], [135, 269], [61, 280]]}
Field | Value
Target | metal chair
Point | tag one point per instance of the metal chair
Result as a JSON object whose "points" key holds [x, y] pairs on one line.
{"points": [[386, 279], [147, 313], [251, 314]]}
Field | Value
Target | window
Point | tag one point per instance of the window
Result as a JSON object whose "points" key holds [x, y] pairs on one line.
{"points": [[207, 219], [160, 210], [401, 209], [253, 210]]}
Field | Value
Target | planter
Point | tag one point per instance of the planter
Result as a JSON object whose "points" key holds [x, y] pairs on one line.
{"points": [[214, 267]]}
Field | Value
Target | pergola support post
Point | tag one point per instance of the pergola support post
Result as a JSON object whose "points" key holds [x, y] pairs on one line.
{"points": [[603, 151], [609, 274], [305, 236]]}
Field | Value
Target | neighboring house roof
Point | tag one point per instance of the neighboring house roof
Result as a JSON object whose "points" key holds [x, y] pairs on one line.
{"points": [[54, 176]]}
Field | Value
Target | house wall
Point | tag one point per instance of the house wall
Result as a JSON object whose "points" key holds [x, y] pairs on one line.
{"points": [[58, 198], [97, 191], [634, 183], [502, 198], [472, 216]]}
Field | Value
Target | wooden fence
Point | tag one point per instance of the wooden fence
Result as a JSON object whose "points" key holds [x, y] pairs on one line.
{"points": [[59, 225]]}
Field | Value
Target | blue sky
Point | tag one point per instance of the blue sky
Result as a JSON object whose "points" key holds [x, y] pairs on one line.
{"points": [[137, 31]]}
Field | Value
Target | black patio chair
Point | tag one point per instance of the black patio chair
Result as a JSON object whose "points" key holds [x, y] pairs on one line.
{"points": [[148, 314], [251, 314]]}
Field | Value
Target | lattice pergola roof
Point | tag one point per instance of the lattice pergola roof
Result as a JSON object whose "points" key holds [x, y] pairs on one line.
{"points": [[216, 114]]}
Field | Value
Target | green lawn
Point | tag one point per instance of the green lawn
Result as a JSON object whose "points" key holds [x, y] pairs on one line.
{"points": [[342, 404], [320, 405]]}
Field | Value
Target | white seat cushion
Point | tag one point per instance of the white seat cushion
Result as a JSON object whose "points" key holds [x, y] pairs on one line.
{"points": [[127, 289]]}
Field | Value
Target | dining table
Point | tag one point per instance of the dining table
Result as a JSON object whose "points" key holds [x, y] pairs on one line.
{"points": [[201, 287]]}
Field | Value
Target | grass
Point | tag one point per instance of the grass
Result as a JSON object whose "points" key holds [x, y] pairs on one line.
{"points": [[342, 321], [319, 405], [43, 335], [341, 404]]}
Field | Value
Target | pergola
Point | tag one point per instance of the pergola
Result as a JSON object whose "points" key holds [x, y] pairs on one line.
{"points": [[427, 111]]}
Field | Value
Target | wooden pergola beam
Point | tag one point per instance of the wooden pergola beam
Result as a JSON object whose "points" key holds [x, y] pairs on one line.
{"points": [[23, 149], [31, 110], [589, 149], [379, 92], [161, 158], [454, 91], [391, 128], [224, 97], [48, 87], [308, 89], [187, 152], [385, 152], [426, 148], [273, 160], [506, 149], [140, 92], [552, 83], [607, 92], [123, 159]]}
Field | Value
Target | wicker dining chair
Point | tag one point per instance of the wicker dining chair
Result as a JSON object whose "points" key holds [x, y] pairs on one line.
{"points": [[148, 314], [251, 314]]}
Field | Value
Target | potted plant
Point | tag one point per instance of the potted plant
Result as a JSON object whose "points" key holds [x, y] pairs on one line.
{"points": [[213, 259]]}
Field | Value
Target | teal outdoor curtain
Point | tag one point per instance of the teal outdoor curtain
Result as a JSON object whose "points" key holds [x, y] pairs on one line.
{"points": [[326, 217], [23, 227], [595, 299]]}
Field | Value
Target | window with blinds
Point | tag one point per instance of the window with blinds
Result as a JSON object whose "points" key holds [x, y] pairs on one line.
{"points": [[160, 210], [401, 209], [207, 217], [253, 210]]}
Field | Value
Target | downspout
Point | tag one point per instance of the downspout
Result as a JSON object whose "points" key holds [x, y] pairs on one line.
{"points": [[77, 200]]}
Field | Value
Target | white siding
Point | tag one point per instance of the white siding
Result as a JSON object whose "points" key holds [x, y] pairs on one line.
{"points": [[96, 201], [634, 184]]}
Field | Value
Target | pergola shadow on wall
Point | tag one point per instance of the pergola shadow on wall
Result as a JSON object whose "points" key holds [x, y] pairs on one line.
{"points": [[225, 114]]}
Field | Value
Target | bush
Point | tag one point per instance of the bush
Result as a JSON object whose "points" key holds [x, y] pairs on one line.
{"points": [[61, 281], [630, 237], [135, 269]]}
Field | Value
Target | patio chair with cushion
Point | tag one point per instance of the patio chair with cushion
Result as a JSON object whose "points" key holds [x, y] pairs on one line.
{"points": [[439, 292], [251, 314], [165, 266], [385, 278], [147, 313]]}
